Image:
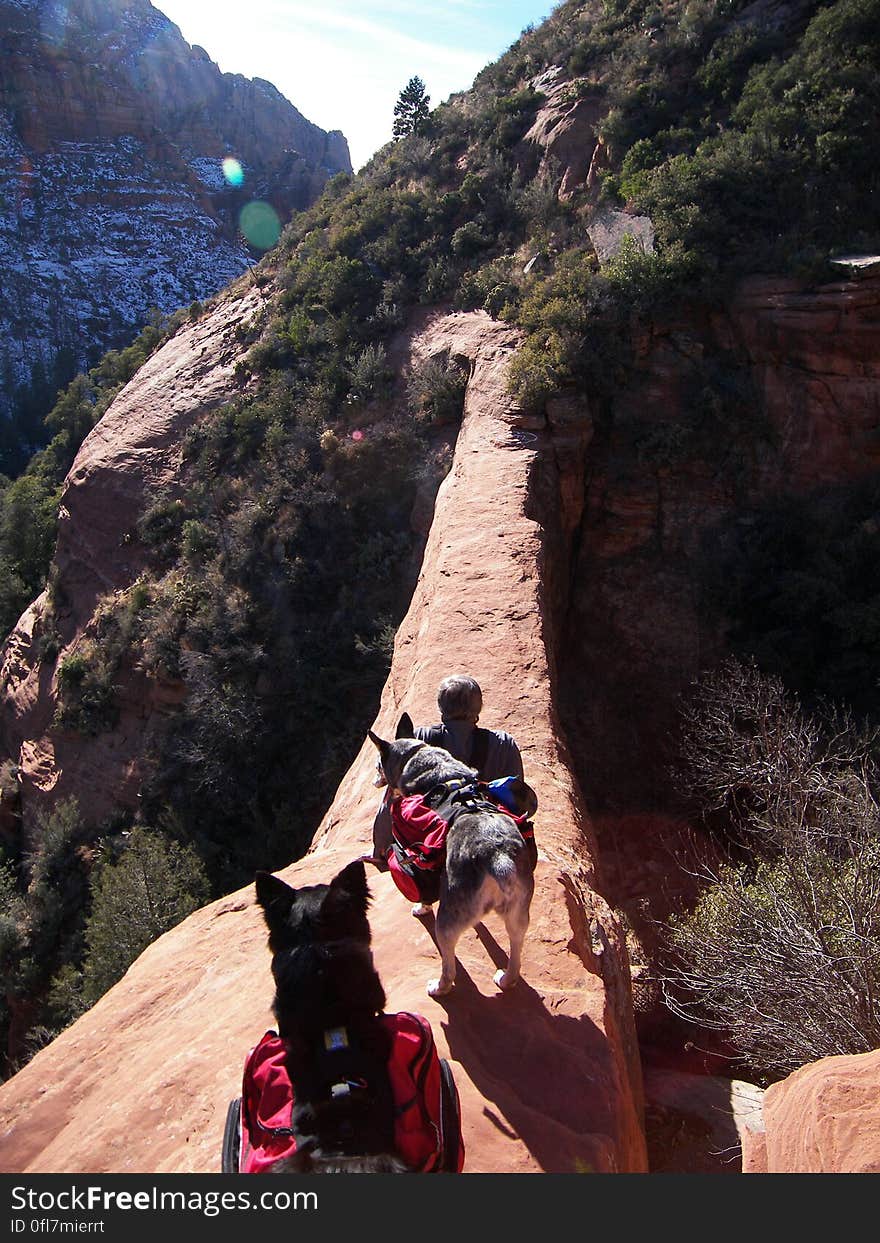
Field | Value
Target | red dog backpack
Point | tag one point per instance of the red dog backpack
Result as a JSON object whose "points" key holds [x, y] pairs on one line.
{"points": [[420, 823], [427, 1125]]}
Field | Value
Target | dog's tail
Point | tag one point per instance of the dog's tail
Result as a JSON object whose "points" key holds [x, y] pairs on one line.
{"points": [[503, 868], [512, 870]]}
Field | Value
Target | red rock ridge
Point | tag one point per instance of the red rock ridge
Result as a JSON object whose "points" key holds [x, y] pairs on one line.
{"points": [[548, 1074], [133, 452]]}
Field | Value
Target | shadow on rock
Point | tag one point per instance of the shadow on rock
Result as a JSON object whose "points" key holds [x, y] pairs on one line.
{"points": [[540, 1069]]}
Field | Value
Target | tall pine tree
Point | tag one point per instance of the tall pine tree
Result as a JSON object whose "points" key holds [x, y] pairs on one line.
{"points": [[411, 109]]}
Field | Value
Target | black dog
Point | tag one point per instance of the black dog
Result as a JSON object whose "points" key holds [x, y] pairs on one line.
{"points": [[327, 999]]}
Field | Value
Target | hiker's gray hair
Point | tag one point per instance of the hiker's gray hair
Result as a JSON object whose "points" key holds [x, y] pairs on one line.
{"points": [[459, 698]]}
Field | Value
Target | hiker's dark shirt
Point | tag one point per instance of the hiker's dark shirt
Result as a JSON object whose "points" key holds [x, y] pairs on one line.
{"points": [[503, 759]]}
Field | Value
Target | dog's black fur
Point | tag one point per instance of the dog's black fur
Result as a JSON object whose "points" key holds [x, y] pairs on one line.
{"points": [[319, 936]]}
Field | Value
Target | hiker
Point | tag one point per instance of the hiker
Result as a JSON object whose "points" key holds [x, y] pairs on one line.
{"points": [[492, 752]]}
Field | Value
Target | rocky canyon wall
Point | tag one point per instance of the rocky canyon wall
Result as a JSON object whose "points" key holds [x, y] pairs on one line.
{"points": [[133, 453], [774, 397], [549, 1075], [113, 131]]}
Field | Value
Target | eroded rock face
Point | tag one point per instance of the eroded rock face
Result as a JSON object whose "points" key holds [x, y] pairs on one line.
{"points": [[127, 458], [572, 152], [822, 1119], [548, 1074], [565, 130], [814, 357], [797, 369], [112, 135]]}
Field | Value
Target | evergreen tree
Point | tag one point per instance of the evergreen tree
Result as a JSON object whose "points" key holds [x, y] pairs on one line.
{"points": [[42, 895], [411, 109], [28, 520], [153, 885]]}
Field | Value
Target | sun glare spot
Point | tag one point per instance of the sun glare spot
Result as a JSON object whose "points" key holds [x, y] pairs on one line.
{"points": [[260, 224], [233, 171]]}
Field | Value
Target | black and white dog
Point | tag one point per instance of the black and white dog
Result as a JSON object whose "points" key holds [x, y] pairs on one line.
{"points": [[488, 867]]}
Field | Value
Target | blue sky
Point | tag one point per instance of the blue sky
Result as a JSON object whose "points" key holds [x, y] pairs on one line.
{"points": [[344, 62]]}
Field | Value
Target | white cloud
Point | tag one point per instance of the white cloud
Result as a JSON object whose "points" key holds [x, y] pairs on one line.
{"points": [[389, 42]]}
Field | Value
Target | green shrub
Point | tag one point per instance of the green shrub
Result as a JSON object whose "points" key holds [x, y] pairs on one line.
{"points": [[87, 690], [72, 671], [540, 369], [42, 909], [468, 240], [161, 525], [198, 542], [141, 889], [646, 283], [436, 389], [369, 374], [493, 288], [28, 520]]}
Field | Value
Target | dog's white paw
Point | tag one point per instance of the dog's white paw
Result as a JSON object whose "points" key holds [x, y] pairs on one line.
{"points": [[504, 980], [436, 988], [420, 909]]}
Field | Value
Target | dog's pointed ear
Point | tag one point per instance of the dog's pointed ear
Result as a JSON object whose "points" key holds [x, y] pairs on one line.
{"points": [[405, 727], [275, 897], [382, 745], [344, 909], [351, 883]]}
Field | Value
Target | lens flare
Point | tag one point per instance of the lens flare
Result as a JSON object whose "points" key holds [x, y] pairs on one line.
{"points": [[233, 171], [260, 224]]}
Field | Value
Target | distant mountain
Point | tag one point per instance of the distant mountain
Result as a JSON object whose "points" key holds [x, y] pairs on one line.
{"points": [[113, 198]]}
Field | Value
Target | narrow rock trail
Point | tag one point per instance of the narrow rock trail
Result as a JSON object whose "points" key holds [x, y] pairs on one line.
{"points": [[549, 1074]]}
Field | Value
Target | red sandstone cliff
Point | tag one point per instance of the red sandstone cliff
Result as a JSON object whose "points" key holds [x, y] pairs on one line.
{"points": [[135, 450], [822, 1119], [561, 566], [549, 1076]]}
